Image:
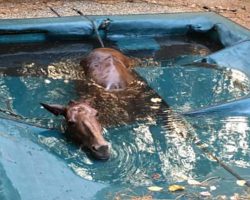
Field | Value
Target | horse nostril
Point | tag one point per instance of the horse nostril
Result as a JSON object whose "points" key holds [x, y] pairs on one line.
{"points": [[100, 148], [95, 148], [103, 148]]}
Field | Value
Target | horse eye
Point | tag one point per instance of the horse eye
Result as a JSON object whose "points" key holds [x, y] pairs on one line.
{"points": [[81, 110]]}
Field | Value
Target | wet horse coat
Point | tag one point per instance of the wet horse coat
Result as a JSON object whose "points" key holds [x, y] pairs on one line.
{"points": [[108, 68], [83, 126]]}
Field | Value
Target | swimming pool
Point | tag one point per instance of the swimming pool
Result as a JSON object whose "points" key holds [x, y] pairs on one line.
{"points": [[194, 67]]}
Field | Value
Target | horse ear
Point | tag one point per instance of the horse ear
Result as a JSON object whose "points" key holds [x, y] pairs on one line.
{"points": [[84, 65], [55, 109], [83, 62], [72, 102]]}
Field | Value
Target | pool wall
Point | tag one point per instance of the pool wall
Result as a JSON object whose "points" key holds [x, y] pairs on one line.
{"points": [[139, 29], [122, 26]]}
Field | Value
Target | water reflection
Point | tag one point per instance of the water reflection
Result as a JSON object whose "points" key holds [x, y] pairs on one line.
{"points": [[233, 81], [227, 136], [65, 69], [190, 88]]}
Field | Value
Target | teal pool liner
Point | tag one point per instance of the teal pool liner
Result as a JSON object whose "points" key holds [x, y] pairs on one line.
{"points": [[31, 169]]}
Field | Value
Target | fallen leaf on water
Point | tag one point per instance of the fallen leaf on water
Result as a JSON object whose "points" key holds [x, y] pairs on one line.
{"points": [[47, 81], [155, 188], [222, 197], [174, 188], [147, 197], [193, 182], [241, 182], [211, 157], [205, 194], [212, 188], [156, 100], [155, 107], [236, 196]]}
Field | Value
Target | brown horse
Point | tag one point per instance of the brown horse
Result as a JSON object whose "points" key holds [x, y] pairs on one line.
{"points": [[83, 126], [108, 68]]}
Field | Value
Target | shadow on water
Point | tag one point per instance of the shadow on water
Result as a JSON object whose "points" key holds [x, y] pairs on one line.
{"points": [[174, 50], [147, 137], [228, 135]]}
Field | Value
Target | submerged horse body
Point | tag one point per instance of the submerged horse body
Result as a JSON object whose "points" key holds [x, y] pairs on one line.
{"points": [[108, 68]]}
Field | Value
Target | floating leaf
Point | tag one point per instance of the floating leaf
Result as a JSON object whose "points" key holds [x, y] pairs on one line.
{"points": [[212, 188], [147, 197], [174, 188], [47, 81], [236, 196], [211, 157], [155, 188], [193, 182], [155, 107], [205, 194], [222, 197], [241, 182], [156, 100]]}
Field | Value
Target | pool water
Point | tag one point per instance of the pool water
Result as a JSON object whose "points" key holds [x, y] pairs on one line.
{"points": [[148, 138]]}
